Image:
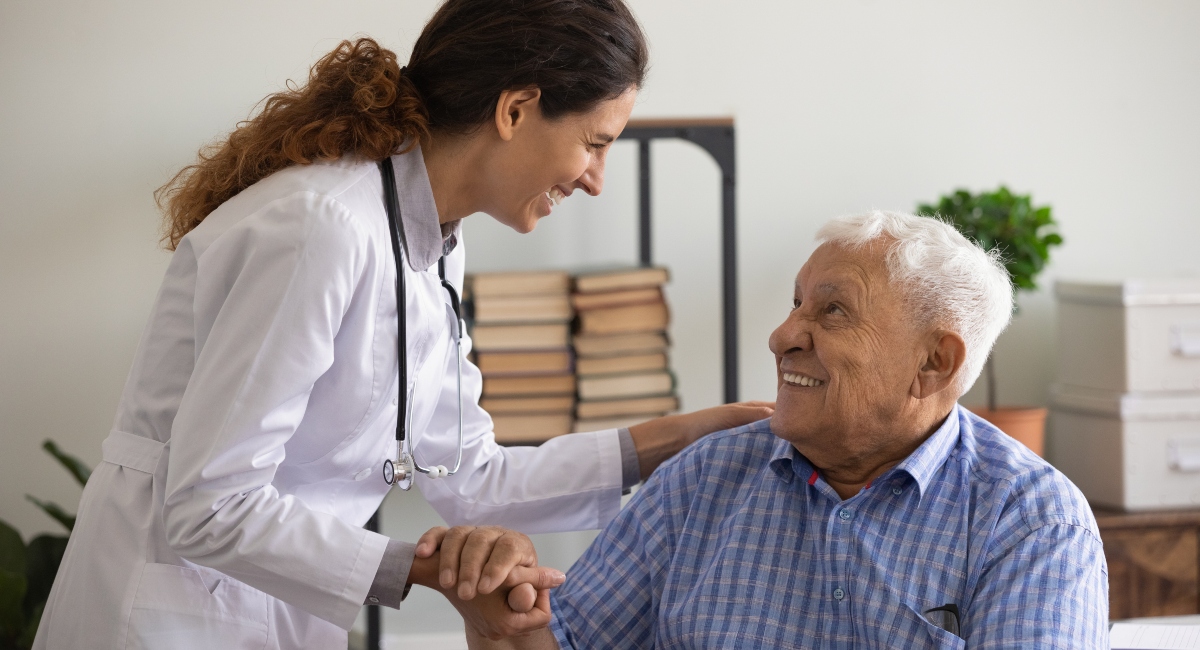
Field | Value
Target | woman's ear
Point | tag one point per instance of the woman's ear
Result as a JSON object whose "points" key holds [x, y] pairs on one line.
{"points": [[514, 109], [944, 356]]}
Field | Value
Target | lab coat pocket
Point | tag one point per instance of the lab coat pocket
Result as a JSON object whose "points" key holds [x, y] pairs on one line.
{"points": [[174, 608]]}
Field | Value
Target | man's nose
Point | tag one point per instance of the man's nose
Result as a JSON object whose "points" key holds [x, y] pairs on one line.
{"points": [[793, 334]]}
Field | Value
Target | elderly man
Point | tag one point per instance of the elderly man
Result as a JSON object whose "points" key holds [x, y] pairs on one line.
{"points": [[871, 511]]}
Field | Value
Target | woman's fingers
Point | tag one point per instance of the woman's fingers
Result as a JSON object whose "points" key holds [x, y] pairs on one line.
{"points": [[478, 560], [477, 552], [430, 541], [509, 551], [739, 413], [452, 545]]}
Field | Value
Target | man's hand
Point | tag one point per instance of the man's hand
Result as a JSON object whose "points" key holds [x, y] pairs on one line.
{"points": [[661, 438]]}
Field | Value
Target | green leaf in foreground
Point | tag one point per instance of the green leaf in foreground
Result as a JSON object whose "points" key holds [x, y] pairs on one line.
{"points": [[75, 466], [55, 511]]}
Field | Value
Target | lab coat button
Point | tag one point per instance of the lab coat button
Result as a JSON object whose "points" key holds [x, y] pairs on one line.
{"points": [[363, 474], [373, 599]]}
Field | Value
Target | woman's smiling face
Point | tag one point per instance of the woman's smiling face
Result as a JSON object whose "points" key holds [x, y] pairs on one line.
{"points": [[539, 161]]}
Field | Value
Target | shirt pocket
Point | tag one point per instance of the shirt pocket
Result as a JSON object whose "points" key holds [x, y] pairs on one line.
{"points": [[939, 639], [174, 608]]}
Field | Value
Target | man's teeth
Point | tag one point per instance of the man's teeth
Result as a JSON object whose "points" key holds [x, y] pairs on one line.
{"points": [[555, 195], [803, 380]]}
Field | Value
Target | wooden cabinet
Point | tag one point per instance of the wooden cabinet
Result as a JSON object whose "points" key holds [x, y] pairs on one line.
{"points": [[1153, 562]]}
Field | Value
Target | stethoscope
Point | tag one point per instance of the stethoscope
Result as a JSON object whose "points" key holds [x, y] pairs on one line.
{"points": [[404, 468]]}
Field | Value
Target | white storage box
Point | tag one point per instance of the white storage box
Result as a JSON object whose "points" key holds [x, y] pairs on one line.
{"points": [[1130, 337], [1134, 452]]}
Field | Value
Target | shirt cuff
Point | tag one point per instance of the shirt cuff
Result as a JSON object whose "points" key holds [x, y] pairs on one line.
{"points": [[631, 468], [389, 587]]}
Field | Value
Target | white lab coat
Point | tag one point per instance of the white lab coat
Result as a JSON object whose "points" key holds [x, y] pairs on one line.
{"points": [[247, 449]]}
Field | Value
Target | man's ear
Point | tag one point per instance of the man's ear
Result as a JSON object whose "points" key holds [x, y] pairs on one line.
{"points": [[945, 353], [514, 108]]}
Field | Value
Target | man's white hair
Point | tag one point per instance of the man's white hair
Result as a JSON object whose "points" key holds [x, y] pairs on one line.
{"points": [[949, 281]]}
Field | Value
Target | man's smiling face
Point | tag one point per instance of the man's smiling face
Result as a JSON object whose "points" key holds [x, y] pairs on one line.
{"points": [[846, 356]]}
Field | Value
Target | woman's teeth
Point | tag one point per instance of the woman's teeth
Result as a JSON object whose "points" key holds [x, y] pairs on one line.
{"points": [[802, 380], [555, 195]]}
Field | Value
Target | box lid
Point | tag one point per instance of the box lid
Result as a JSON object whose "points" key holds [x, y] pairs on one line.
{"points": [[1161, 291], [1126, 406]]}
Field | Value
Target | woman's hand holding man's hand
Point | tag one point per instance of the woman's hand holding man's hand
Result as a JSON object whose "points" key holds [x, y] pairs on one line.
{"points": [[490, 575]]}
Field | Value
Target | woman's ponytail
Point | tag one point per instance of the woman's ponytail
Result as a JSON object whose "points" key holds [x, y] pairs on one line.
{"points": [[358, 101]]}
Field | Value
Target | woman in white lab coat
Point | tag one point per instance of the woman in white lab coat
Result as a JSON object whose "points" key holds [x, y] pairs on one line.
{"points": [[247, 449]]}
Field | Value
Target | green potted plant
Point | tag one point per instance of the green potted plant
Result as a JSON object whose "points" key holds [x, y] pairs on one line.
{"points": [[27, 570], [1024, 234]]}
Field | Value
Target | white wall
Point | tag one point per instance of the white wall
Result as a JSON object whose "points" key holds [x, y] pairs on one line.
{"points": [[840, 106]]}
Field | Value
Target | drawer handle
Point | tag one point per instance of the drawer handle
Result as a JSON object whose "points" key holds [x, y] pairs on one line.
{"points": [[1185, 340], [1184, 455]]}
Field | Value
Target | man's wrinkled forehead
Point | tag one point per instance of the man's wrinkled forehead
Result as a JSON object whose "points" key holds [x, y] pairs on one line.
{"points": [[838, 271]]}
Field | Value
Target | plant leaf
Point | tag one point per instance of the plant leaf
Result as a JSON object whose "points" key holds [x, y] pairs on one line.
{"points": [[1006, 221], [75, 466], [31, 625], [12, 593], [55, 511], [12, 549], [43, 557]]}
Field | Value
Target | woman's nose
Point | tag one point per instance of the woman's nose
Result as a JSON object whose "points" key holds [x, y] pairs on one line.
{"points": [[592, 180]]}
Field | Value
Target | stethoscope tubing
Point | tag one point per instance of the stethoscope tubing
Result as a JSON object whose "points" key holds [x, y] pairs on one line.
{"points": [[401, 470]]}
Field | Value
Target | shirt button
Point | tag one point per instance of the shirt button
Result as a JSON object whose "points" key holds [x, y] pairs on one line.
{"points": [[845, 515], [838, 594], [897, 491], [362, 474]]}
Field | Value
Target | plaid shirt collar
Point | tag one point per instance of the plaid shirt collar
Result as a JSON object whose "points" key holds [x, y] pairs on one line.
{"points": [[921, 465]]}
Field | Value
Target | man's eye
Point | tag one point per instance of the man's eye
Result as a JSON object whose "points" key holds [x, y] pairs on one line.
{"points": [[833, 308], [795, 303]]}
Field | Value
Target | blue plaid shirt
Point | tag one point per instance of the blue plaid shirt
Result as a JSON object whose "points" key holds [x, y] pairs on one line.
{"points": [[738, 542]]}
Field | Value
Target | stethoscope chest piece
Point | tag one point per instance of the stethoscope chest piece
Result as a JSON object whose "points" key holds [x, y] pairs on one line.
{"points": [[399, 473]]}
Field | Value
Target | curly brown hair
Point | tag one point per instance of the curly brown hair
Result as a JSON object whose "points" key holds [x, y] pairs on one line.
{"points": [[358, 100]]}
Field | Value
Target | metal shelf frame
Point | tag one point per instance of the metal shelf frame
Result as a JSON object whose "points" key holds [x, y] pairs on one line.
{"points": [[715, 136]]}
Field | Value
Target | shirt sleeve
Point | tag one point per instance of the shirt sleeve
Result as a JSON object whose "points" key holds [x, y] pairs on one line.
{"points": [[1046, 589], [390, 586], [611, 596], [631, 467], [270, 296]]}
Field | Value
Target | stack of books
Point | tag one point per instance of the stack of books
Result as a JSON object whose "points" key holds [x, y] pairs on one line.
{"points": [[521, 335], [621, 348]]}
